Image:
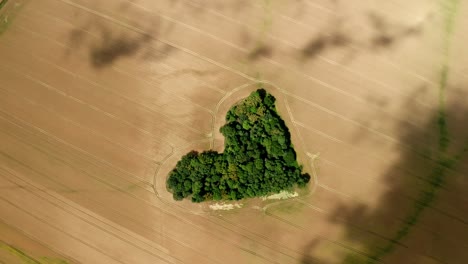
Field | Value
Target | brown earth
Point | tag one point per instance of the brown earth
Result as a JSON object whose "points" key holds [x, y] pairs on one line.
{"points": [[99, 99]]}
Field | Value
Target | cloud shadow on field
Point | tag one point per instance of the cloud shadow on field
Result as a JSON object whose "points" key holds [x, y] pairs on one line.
{"points": [[324, 42], [108, 43], [384, 35], [115, 46], [387, 34], [423, 210], [260, 51]]}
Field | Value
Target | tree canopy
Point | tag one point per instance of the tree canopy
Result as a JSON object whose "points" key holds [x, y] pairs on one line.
{"points": [[258, 158]]}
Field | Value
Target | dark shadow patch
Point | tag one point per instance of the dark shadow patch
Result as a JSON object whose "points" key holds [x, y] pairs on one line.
{"points": [[388, 34], [322, 43], [107, 44], [339, 39], [378, 101], [315, 47], [78, 37], [260, 51], [422, 212], [158, 53], [329, 39], [382, 41], [308, 257], [113, 48]]}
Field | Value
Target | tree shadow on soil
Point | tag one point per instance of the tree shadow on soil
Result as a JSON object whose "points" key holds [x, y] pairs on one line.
{"points": [[422, 215]]}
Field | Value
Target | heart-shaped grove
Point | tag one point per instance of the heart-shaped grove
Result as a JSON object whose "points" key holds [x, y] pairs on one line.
{"points": [[258, 159]]}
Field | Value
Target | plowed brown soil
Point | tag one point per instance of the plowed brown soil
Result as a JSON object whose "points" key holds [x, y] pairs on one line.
{"points": [[98, 100]]}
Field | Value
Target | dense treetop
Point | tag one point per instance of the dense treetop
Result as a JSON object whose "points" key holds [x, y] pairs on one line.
{"points": [[258, 158]]}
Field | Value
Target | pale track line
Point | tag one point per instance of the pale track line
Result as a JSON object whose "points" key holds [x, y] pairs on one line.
{"points": [[216, 112], [382, 58], [423, 226], [350, 146], [37, 133], [92, 215], [189, 2], [308, 154], [132, 29], [429, 230], [369, 154], [56, 228], [248, 236], [296, 47], [119, 69], [50, 87], [114, 116], [369, 179], [316, 177], [318, 6], [207, 109], [372, 181], [341, 245], [264, 209], [105, 87], [99, 203], [168, 212], [104, 112], [36, 240], [154, 82], [74, 147], [32, 102], [279, 64], [232, 70], [118, 189]]}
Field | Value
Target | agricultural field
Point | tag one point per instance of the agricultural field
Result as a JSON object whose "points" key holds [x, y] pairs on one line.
{"points": [[99, 99]]}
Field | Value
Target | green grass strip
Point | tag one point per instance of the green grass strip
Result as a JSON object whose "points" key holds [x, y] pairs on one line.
{"points": [[27, 259], [3, 3], [444, 163], [18, 253]]}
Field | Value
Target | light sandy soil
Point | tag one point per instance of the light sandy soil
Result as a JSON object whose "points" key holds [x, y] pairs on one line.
{"points": [[99, 99]]}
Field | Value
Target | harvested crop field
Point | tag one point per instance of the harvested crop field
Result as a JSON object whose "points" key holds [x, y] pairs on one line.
{"points": [[99, 99]]}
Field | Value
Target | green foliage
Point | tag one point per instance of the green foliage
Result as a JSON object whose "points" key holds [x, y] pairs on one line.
{"points": [[258, 159], [23, 257], [3, 3]]}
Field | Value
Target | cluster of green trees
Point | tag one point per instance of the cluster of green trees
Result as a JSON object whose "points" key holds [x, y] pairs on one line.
{"points": [[258, 159]]}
